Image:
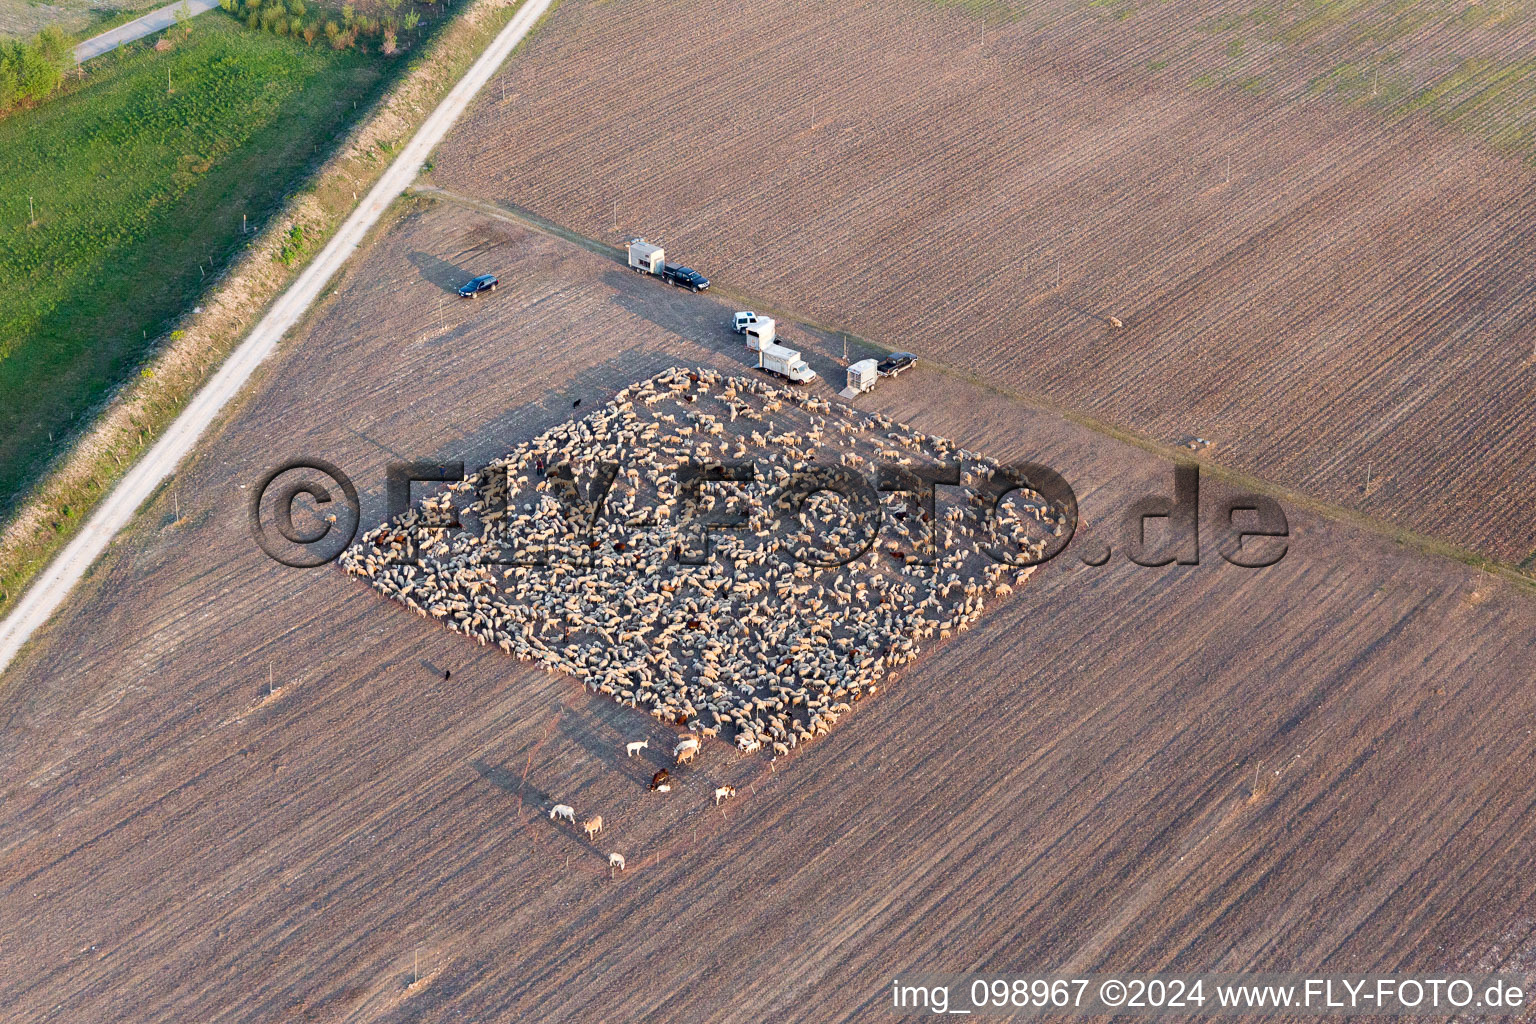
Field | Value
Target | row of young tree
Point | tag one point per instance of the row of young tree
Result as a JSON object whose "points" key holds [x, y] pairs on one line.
{"points": [[31, 70], [295, 18]]}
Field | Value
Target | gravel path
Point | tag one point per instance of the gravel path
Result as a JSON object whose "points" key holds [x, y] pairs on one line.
{"points": [[155, 21]]}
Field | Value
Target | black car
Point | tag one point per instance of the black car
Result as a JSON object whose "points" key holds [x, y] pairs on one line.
{"points": [[896, 362], [685, 277], [483, 283]]}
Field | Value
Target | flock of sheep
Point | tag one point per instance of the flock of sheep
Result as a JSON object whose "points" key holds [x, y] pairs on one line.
{"points": [[768, 637]]}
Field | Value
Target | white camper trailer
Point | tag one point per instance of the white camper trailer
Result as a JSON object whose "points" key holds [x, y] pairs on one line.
{"points": [[785, 362], [645, 257]]}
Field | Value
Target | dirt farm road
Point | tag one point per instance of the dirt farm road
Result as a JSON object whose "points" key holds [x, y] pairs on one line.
{"points": [[55, 583]]}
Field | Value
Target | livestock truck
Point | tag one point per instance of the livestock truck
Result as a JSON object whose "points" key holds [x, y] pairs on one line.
{"points": [[785, 362]]}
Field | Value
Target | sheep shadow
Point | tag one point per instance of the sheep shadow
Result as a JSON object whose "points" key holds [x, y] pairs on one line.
{"points": [[539, 801], [506, 781], [591, 735]]}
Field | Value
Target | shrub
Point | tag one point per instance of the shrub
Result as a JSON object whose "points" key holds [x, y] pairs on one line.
{"points": [[286, 18], [31, 71], [10, 85], [54, 46], [293, 248]]}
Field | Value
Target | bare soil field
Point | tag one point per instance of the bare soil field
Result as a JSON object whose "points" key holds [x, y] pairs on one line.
{"points": [[236, 791], [1320, 266]]}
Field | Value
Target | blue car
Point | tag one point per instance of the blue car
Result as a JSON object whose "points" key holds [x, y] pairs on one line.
{"points": [[483, 283]]}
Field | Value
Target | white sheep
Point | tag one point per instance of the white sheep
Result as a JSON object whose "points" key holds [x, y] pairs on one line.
{"points": [[565, 812]]}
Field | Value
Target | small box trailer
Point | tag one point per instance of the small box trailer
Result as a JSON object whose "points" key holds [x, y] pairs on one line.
{"points": [[646, 258], [785, 362], [862, 376]]}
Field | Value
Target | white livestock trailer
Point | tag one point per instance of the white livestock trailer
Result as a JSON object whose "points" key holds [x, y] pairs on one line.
{"points": [[862, 376]]}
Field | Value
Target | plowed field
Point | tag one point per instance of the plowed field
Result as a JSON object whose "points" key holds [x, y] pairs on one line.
{"points": [[1329, 763], [1316, 230]]}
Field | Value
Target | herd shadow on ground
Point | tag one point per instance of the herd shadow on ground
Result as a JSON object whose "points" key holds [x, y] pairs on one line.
{"points": [[707, 323]]}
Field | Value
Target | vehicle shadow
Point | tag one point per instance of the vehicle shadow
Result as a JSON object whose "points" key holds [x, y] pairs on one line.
{"points": [[438, 271], [706, 320]]}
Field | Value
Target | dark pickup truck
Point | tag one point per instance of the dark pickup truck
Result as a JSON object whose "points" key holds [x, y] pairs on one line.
{"points": [[684, 277]]}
